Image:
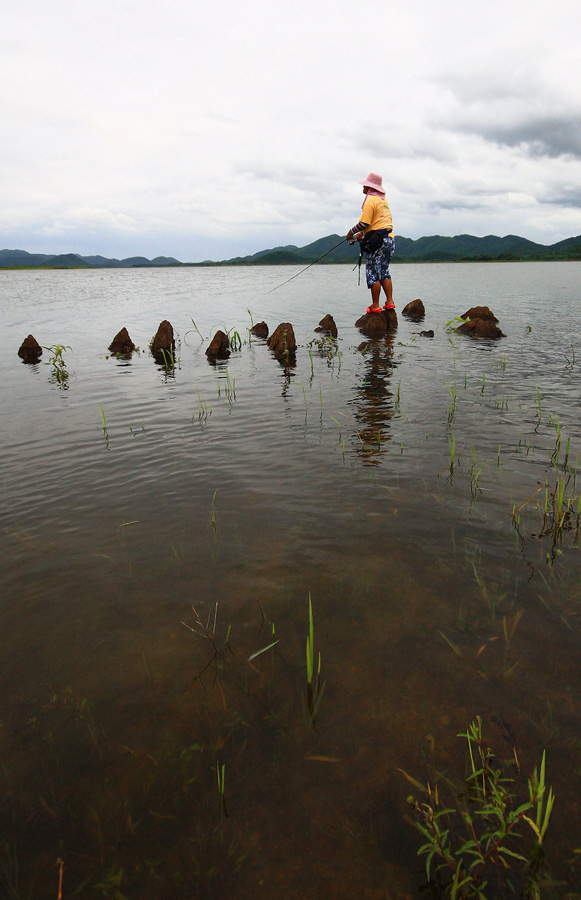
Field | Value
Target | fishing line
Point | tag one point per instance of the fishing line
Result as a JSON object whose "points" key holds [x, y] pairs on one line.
{"points": [[307, 267]]}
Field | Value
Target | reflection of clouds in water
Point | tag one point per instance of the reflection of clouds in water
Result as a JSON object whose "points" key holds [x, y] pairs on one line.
{"points": [[374, 400]]}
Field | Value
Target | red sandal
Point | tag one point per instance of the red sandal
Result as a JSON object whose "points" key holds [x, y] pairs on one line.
{"points": [[386, 307], [370, 309]]}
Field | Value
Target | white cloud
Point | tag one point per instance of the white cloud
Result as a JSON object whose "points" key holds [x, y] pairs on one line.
{"points": [[178, 127]]}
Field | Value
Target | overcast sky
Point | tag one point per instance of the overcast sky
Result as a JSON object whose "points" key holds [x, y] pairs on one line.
{"points": [[212, 129]]}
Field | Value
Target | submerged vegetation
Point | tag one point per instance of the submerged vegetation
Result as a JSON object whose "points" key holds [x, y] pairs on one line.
{"points": [[486, 840]]}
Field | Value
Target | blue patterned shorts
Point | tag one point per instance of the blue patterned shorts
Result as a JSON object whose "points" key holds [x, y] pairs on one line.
{"points": [[377, 264]]}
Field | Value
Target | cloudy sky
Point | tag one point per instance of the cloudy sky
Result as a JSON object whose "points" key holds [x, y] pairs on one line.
{"points": [[207, 130]]}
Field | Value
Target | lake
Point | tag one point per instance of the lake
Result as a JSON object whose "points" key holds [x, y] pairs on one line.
{"points": [[164, 529]]}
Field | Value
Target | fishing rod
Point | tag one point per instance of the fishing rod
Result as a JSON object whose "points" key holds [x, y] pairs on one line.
{"points": [[307, 267]]}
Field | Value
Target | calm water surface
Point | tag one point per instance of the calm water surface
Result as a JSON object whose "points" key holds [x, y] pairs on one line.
{"points": [[161, 527]]}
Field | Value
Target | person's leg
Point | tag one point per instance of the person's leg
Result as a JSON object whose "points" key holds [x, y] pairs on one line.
{"points": [[387, 285], [373, 280], [375, 294], [387, 253]]}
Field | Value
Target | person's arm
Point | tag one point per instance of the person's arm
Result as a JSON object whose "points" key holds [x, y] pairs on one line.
{"points": [[357, 231]]}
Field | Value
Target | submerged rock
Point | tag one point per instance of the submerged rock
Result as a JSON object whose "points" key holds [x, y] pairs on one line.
{"points": [[260, 330], [219, 347], [482, 323], [414, 310], [30, 350], [163, 344], [377, 324], [282, 342], [328, 325], [122, 343], [429, 334]]}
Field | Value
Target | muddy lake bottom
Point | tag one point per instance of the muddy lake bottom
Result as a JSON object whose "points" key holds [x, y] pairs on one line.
{"points": [[163, 529]]}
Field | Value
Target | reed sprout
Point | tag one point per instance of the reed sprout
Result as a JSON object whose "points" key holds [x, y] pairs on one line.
{"points": [[213, 513], [539, 413], [314, 687], [452, 444], [453, 397], [104, 423], [221, 779]]}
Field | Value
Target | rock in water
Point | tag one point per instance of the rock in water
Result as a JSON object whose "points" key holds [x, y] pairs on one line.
{"points": [[163, 345], [122, 343], [30, 350], [479, 312], [375, 325], [260, 330], [415, 310], [327, 324], [429, 333], [219, 347], [482, 323], [282, 343]]}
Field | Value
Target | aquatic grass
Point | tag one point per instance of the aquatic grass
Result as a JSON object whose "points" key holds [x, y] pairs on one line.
{"points": [[474, 475], [454, 324], [397, 404], [298, 383], [253, 656], [314, 687], [235, 339], [539, 413], [454, 647], [473, 842], [220, 648], [492, 598], [556, 452], [196, 329], [104, 423], [563, 603], [169, 359], [59, 367], [10, 873], [452, 445], [453, 398], [221, 779], [204, 408], [326, 346], [213, 514]]}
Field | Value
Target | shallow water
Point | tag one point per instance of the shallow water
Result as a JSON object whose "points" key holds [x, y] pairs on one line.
{"points": [[400, 484]]}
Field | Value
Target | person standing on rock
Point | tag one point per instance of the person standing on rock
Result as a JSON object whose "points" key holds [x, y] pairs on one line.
{"points": [[375, 232]]}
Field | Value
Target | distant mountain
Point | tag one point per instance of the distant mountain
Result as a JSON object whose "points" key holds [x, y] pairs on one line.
{"points": [[461, 248], [330, 249], [21, 259]]}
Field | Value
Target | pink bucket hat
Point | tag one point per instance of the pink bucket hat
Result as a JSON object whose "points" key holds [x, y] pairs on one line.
{"points": [[373, 180]]}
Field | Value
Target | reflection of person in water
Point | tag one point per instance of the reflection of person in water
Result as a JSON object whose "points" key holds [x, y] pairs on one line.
{"points": [[375, 232], [373, 400]]}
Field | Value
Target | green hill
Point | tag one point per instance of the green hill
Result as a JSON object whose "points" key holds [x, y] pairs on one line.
{"points": [[331, 249], [435, 248]]}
